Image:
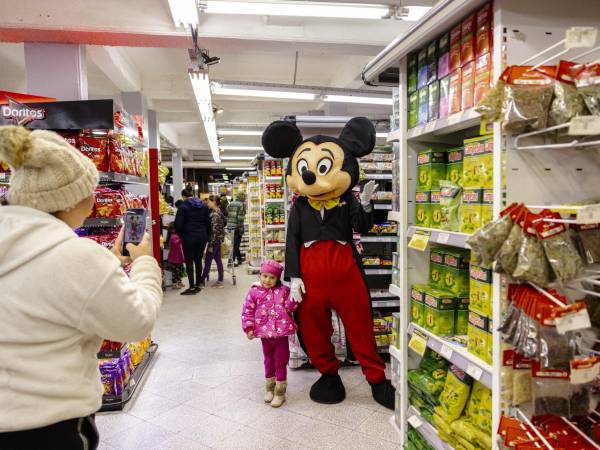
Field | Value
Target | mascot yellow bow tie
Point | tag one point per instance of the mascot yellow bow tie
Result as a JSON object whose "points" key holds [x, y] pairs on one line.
{"points": [[327, 204]]}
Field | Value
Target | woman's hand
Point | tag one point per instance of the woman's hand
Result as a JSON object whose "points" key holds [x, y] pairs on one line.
{"points": [[117, 249], [144, 248]]}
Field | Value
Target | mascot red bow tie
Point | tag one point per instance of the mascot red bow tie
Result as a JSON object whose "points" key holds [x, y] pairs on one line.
{"points": [[320, 259]]}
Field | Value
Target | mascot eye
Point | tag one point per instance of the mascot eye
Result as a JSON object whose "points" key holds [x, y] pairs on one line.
{"points": [[324, 166], [302, 166]]}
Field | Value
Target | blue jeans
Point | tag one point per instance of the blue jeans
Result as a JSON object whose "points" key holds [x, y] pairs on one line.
{"points": [[208, 259]]}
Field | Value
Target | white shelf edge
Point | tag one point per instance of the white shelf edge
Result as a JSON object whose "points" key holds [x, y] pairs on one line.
{"points": [[382, 206], [395, 290], [274, 200], [378, 271], [274, 244], [378, 176], [385, 303], [275, 227], [451, 238], [396, 352], [428, 431], [378, 238], [455, 122]]}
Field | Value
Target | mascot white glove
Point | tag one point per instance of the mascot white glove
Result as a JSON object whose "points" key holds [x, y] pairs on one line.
{"points": [[367, 193], [297, 288]]}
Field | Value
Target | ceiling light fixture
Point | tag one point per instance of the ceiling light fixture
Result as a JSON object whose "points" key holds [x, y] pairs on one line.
{"points": [[298, 9], [201, 86], [358, 99], [411, 13], [231, 132], [237, 158], [184, 12], [218, 89], [241, 147]]}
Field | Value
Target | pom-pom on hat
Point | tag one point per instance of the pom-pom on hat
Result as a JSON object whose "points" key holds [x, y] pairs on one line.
{"points": [[272, 267]]}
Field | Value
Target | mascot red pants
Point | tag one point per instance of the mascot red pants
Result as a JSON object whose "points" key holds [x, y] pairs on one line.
{"points": [[334, 281]]}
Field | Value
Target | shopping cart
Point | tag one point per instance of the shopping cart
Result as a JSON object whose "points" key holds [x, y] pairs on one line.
{"points": [[228, 247]]}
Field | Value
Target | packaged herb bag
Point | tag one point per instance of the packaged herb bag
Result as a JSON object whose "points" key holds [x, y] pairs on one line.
{"points": [[556, 350], [450, 201], [508, 255], [568, 101], [588, 242], [587, 80], [454, 395], [532, 264], [551, 391]]}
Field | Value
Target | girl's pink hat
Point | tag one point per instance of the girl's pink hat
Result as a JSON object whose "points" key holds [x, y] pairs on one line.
{"points": [[272, 267]]}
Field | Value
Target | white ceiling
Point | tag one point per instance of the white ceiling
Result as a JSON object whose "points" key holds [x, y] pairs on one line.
{"points": [[329, 52]]}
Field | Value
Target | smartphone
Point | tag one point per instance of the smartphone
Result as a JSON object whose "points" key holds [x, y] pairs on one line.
{"points": [[135, 227]]}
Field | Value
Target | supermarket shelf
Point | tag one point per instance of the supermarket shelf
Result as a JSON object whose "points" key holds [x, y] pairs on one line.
{"points": [[395, 352], [103, 222], [279, 179], [119, 402], [378, 271], [456, 122], [451, 238], [378, 176], [426, 430], [387, 206], [274, 244], [274, 200], [122, 178], [385, 303], [275, 227], [457, 355], [392, 238], [395, 216], [394, 135], [395, 290]]}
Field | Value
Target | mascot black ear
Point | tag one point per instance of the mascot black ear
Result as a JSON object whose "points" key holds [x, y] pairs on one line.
{"points": [[281, 138], [358, 136]]}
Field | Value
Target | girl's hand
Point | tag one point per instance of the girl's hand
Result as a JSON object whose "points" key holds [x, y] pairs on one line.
{"points": [[250, 334]]}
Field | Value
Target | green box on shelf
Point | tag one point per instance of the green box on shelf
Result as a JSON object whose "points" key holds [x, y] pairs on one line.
{"points": [[480, 289], [431, 168], [477, 332], [436, 268], [456, 271], [436, 209], [411, 67], [470, 210], [461, 321], [487, 207], [478, 163], [423, 208], [417, 303], [439, 312], [454, 169], [413, 109]]}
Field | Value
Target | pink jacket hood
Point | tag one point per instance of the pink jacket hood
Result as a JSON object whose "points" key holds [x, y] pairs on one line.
{"points": [[268, 312]]}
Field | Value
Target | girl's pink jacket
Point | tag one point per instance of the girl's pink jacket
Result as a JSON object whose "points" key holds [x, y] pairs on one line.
{"points": [[175, 250], [268, 312]]}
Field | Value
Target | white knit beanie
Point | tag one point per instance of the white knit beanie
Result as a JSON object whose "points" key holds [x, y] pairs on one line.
{"points": [[48, 174]]}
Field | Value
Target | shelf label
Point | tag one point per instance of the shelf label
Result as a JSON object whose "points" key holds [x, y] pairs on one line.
{"points": [[584, 125], [581, 37], [419, 240], [443, 238], [415, 421], [474, 372], [418, 342], [446, 352]]}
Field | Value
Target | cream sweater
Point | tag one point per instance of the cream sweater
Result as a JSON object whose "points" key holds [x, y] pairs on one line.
{"points": [[60, 295]]}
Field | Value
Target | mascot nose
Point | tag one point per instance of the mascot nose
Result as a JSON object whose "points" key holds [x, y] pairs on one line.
{"points": [[309, 177]]}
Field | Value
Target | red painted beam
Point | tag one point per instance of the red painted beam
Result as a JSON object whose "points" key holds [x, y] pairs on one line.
{"points": [[15, 34]]}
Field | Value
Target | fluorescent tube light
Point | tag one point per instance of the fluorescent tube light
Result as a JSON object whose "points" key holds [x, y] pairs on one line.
{"points": [[358, 99], [299, 9], [229, 132], [240, 168], [259, 93], [241, 147], [237, 158], [184, 12], [201, 86]]}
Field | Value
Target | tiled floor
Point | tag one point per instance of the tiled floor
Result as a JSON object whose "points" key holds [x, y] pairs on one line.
{"points": [[205, 391]]}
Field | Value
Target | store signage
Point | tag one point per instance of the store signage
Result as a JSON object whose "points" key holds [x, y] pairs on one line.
{"points": [[21, 114]]}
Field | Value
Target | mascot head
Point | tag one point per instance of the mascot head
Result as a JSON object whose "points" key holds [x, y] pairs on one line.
{"points": [[320, 167]]}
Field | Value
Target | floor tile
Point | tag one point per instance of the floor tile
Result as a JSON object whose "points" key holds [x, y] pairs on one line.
{"points": [[317, 434], [212, 401], [345, 414], [140, 437], [212, 431], [179, 443], [244, 411], [180, 418], [149, 405], [249, 439], [112, 423], [379, 426]]}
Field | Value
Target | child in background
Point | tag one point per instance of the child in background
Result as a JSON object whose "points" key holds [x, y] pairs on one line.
{"points": [[267, 314], [176, 258]]}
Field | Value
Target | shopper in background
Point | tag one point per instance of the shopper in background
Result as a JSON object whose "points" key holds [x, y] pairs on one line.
{"points": [[223, 205], [192, 223], [267, 314], [235, 221], [217, 235], [175, 259], [61, 296]]}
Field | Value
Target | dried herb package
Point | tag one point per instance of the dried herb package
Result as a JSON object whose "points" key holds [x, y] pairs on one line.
{"points": [[551, 391], [532, 264], [508, 255], [490, 106], [568, 101], [587, 80], [555, 350], [588, 242]]}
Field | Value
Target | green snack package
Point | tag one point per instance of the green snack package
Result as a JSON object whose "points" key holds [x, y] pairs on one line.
{"points": [[413, 109], [439, 312], [434, 100], [478, 163], [417, 303], [456, 271], [436, 209], [431, 168], [423, 208], [450, 201], [470, 210], [480, 289], [411, 66], [455, 395], [477, 333], [479, 408], [487, 207], [454, 170], [436, 268], [432, 362], [461, 320]]}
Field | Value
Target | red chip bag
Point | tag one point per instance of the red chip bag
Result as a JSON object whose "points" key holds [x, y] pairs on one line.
{"points": [[72, 137], [117, 156], [95, 148], [109, 203]]}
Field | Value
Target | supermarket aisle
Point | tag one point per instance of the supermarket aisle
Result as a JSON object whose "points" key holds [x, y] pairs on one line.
{"points": [[206, 387]]}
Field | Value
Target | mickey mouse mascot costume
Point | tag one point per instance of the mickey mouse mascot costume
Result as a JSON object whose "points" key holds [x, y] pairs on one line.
{"points": [[321, 260]]}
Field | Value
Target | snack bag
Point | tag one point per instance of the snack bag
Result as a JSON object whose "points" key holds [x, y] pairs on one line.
{"points": [[95, 148], [450, 204], [108, 203], [587, 80], [568, 101], [532, 264], [455, 395], [471, 210], [117, 156]]}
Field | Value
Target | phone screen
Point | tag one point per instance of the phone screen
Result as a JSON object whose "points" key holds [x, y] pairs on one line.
{"points": [[135, 227]]}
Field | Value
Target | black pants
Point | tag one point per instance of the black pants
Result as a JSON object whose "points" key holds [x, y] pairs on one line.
{"points": [[73, 434], [193, 252], [237, 241]]}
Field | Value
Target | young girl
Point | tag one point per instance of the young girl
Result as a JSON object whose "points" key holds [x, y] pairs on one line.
{"points": [[176, 258], [267, 315]]}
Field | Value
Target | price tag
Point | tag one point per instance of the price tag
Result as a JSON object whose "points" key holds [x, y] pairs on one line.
{"points": [[589, 214], [573, 321], [418, 342], [581, 37], [443, 238], [419, 240], [446, 352], [474, 372], [584, 125], [415, 421]]}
